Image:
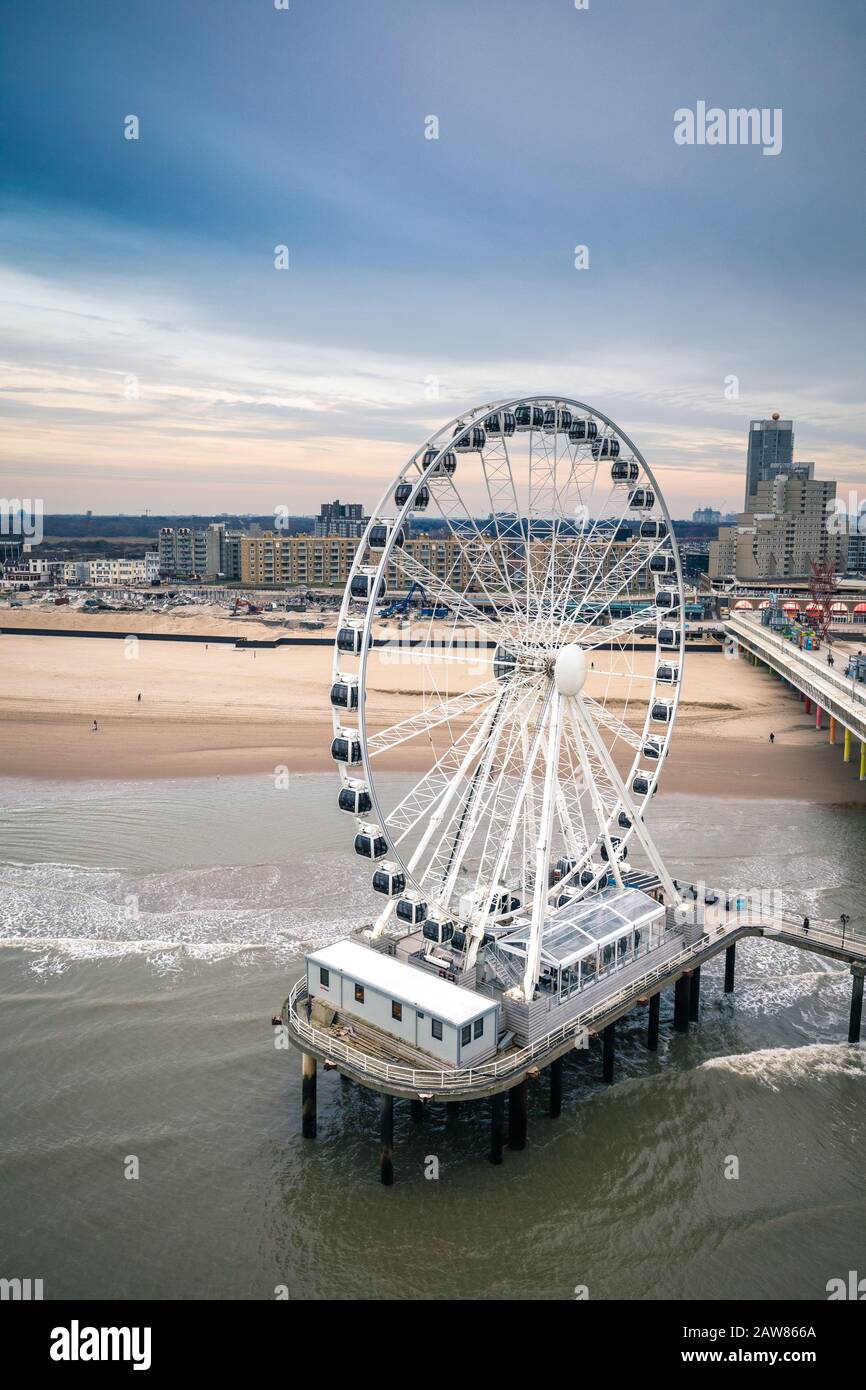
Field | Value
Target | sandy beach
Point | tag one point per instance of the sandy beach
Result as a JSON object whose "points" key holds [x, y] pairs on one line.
{"points": [[207, 709]]}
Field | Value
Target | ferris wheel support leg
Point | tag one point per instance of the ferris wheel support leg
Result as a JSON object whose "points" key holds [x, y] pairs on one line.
{"points": [[542, 854], [644, 839]]}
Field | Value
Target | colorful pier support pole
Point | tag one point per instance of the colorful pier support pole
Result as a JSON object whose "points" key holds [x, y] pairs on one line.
{"points": [[832, 729], [517, 1102], [416, 1110], [846, 747], [386, 1129], [856, 1014], [497, 1116], [652, 1030], [681, 1004], [730, 965], [808, 705], [308, 1096], [556, 1088], [695, 995], [818, 713], [608, 1038], [863, 761]]}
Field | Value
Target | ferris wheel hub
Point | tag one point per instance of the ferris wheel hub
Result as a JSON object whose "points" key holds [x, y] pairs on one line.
{"points": [[570, 669]]}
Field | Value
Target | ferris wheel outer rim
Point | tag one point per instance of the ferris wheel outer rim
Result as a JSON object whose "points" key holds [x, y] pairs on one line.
{"points": [[477, 415]]}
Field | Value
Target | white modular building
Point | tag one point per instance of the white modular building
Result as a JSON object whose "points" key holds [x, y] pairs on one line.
{"points": [[455, 1025]]}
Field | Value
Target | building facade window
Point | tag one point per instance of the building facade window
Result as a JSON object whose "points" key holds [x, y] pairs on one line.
{"points": [[436, 1028], [397, 1010], [324, 977], [466, 1034], [478, 1028], [359, 994]]}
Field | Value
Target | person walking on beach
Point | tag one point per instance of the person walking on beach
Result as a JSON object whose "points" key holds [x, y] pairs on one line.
{"points": [[139, 697], [94, 728], [772, 738]]}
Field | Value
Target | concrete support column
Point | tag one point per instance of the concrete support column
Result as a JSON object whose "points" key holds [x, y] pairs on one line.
{"points": [[386, 1159], [846, 746], [808, 705], [856, 1014], [681, 1004], [652, 1030], [608, 1038], [517, 1102], [818, 713], [416, 1110], [497, 1115], [730, 964], [308, 1096], [556, 1089], [695, 995], [832, 729]]}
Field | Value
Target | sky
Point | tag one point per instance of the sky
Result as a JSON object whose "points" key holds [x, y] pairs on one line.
{"points": [[153, 356]]}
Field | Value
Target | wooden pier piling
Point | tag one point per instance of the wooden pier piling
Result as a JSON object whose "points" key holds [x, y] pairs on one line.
{"points": [[517, 1102], [856, 1015], [386, 1159], [497, 1116], [682, 991], [730, 966], [695, 995], [608, 1039], [652, 1031], [308, 1096], [556, 1088]]}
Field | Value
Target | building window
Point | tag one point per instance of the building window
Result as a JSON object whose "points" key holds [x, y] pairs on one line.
{"points": [[359, 994], [396, 1010], [324, 977], [478, 1028], [436, 1028], [466, 1034]]}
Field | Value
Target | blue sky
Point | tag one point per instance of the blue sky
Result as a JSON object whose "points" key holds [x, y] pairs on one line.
{"points": [[154, 357]]}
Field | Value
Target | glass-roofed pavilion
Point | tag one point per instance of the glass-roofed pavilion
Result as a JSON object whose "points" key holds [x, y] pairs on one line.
{"points": [[589, 939]]}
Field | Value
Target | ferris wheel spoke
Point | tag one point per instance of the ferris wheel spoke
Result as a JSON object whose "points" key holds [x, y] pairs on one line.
{"points": [[637, 822], [416, 803], [620, 628], [441, 859], [601, 815], [442, 712], [450, 596], [604, 716]]}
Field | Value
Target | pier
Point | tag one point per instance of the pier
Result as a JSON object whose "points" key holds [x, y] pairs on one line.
{"points": [[383, 1065], [825, 691]]}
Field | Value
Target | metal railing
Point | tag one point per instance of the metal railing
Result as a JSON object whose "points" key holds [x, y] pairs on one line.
{"points": [[800, 663]]}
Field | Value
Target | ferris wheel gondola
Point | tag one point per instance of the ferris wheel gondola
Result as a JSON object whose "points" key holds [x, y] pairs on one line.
{"points": [[506, 753]]}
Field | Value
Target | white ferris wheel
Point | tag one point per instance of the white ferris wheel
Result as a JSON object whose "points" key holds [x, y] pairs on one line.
{"points": [[506, 673]]}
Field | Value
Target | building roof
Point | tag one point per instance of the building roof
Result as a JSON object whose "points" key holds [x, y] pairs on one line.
{"points": [[405, 983], [578, 928]]}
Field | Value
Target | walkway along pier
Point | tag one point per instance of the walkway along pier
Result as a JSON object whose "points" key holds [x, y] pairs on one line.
{"points": [[824, 689], [512, 1073]]}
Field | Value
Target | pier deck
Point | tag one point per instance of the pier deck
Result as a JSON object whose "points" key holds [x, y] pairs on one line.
{"points": [[387, 1069]]}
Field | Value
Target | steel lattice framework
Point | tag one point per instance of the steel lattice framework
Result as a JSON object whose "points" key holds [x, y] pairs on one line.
{"points": [[502, 747]]}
